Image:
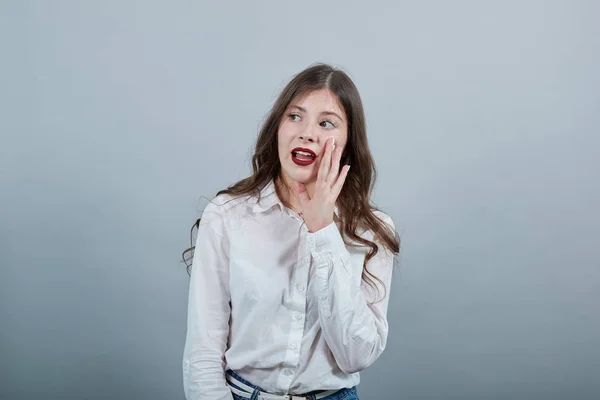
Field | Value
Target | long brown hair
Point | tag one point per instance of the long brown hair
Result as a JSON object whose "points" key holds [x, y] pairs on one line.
{"points": [[355, 210]]}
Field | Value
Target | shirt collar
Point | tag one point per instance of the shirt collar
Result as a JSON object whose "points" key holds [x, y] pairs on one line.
{"points": [[269, 198]]}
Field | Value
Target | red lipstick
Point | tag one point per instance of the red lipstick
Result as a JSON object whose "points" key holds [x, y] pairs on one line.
{"points": [[303, 157]]}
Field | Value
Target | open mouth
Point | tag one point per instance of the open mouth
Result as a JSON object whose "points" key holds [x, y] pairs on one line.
{"points": [[303, 157]]}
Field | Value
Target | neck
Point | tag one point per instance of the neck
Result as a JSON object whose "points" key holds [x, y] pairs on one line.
{"points": [[288, 192]]}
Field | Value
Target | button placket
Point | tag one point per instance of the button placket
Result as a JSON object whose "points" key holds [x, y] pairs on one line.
{"points": [[298, 287], [298, 305]]}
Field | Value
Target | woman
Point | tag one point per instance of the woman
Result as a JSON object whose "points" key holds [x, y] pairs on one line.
{"points": [[288, 291]]}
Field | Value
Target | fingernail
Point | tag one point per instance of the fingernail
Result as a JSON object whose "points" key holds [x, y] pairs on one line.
{"points": [[333, 144]]}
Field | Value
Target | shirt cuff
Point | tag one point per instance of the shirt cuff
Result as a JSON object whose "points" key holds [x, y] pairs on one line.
{"points": [[326, 240]]}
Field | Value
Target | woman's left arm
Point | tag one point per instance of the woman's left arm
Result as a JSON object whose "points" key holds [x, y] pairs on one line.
{"points": [[355, 330]]}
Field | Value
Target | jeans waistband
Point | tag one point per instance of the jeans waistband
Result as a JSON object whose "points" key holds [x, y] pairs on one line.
{"points": [[239, 384]]}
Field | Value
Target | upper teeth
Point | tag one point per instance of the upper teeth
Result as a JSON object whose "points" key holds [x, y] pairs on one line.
{"points": [[304, 153]]}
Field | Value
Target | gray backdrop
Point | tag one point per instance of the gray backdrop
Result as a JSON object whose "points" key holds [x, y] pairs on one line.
{"points": [[117, 116]]}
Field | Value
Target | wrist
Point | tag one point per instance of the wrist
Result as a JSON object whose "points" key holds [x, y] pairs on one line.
{"points": [[316, 228]]}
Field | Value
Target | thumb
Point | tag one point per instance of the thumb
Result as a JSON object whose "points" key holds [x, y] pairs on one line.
{"points": [[302, 192]]}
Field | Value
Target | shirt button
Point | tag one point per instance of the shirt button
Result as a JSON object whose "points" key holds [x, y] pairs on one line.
{"points": [[287, 372], [297, 317], [300, 287], [293, 346]]}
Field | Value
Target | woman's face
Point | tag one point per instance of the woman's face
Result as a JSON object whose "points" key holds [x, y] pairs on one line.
{"points": [[307, 123]]}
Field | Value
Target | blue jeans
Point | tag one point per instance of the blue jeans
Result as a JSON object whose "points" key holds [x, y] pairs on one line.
{"points": [[345, 394]]}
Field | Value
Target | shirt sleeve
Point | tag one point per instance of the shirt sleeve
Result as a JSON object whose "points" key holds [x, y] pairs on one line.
{"points": [[208, 312], [355, 331]]}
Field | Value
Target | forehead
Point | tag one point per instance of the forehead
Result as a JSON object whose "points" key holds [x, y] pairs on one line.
{"points": [[319, 101]]}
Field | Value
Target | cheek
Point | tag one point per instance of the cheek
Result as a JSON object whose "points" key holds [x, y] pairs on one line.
{"points": [[286, 131], [285, 137], [283, 141]]}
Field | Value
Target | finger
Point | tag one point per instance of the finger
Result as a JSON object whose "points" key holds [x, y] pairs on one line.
{"points": [[335, 165], [339, 184], [325, 161]]}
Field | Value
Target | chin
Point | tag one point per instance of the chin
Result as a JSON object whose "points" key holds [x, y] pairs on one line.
{"points": [[299, 176]]}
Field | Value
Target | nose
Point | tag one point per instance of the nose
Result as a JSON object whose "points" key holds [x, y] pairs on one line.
{"points": [[308, 135], [307, 138]]}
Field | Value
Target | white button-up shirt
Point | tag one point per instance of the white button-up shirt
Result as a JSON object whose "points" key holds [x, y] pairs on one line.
{"points": [[283, 307]]}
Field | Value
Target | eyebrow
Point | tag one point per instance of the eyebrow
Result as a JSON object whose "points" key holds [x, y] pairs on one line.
{"points": [[323, 113]]}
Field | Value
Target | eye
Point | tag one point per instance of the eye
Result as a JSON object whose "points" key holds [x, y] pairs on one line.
{"points": [[325, 123], [294, 117]]}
